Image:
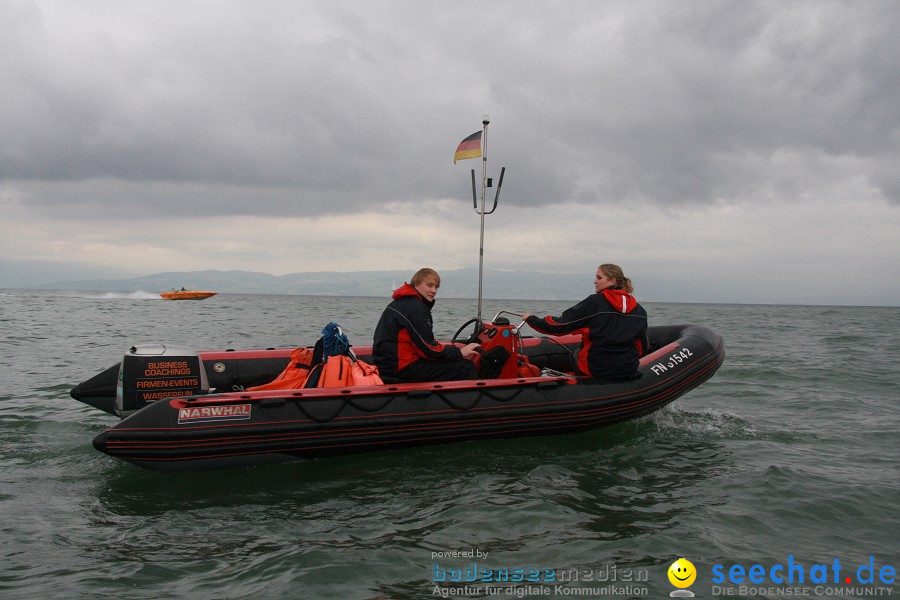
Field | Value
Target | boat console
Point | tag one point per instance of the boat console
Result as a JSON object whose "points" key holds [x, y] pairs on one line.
{"points": [[501, 342]]}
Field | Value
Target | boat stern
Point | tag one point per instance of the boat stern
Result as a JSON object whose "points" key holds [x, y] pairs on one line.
{"points": [[153, 371]]}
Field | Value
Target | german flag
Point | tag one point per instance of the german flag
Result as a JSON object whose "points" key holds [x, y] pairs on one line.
{"points": [[469, 147]]}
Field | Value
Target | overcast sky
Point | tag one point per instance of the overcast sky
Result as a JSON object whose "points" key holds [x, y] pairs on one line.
{"points": [[733, 151]]}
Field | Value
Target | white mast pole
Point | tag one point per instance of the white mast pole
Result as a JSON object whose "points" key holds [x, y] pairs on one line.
{"points": [[484, 182]]}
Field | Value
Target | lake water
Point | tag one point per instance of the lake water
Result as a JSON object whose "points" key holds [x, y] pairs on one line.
{"points": [[788, 456]]}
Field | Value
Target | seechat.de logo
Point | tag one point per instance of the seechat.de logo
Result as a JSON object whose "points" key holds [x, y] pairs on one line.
{"points": [[796, 572]]}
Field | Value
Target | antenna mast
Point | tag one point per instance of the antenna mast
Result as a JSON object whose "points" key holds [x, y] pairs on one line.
{"points": [[486, 182]]}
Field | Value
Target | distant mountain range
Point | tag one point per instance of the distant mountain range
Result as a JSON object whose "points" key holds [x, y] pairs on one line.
{"points": [[459, 283]]}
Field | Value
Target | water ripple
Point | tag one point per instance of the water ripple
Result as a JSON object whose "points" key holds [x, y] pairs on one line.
{"points": [[789, 449]]}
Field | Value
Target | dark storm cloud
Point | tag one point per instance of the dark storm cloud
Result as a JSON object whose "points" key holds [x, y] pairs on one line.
{"points": [[248, 108], [696, 103]]}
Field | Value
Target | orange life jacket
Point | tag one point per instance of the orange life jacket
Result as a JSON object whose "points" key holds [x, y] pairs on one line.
{"points": [[344, 371], [294, 375]]}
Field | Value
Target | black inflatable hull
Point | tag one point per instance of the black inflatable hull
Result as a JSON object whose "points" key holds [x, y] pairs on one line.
{"points": [[238, 369], [251, 428]]}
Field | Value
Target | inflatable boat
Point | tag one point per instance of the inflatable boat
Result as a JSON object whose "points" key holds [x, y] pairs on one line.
{"points": [[187, 295], [188, 410]]}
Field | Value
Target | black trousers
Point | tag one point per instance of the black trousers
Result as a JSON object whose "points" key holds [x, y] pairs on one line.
{"points": [[434, 370]]}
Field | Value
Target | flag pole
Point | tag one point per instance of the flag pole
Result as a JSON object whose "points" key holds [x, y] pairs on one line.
{"points": [[466, 150], [484, 182]]}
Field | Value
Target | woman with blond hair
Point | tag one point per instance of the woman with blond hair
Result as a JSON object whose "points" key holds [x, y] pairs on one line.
{"points": [[404, 346], [612, 325]]}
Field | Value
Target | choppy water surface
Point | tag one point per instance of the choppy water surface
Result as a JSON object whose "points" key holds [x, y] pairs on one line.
{"points": [[789, 451]]}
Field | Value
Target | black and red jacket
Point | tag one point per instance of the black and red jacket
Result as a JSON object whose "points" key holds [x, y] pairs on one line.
{"points": [[404, 334], [613, 329]]}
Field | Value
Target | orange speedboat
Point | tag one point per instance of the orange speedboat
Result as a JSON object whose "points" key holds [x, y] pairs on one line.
{"points": [[184, 294]]}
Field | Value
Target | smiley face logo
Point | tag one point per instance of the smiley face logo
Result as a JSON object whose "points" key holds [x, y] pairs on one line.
{"points": [[682, 573]]}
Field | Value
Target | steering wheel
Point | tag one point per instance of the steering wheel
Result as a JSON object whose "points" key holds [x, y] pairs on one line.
{"points": [[472, 337]]}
